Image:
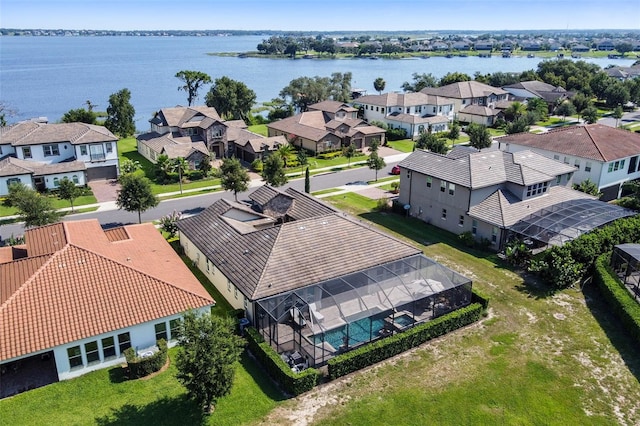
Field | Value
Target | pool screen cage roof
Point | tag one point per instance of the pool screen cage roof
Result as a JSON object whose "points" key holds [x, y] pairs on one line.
{"points": [[563, 222], [333, 303]]}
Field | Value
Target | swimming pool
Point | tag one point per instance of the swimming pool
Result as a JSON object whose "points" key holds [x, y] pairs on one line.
{"points": [[360, 331], [404, 320]]}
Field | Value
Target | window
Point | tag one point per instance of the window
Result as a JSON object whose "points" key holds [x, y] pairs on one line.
{"points": [[614, 167], [75, 357], [566, 160], [174, 328], [75, 179], [633, 163], [235, 292], [558, 179], [408, 110], [622, 164], [208, 267], [569, 176], [11, 181], [587, 166], [556, 157], [246, 303], [108, 348], [576, 163], [56, 182], [124, 341], [377, 109], [161, 330], [429, 181], [474, 227], [198, 258], [91, 350], [443, 186], [26, 152], [452, 189], [382, 110], [434, 110], [494, 235], [444, 214], [461, 220], [109, 147], [50, 150], [540, 188], [228, 285], [83, 150]]}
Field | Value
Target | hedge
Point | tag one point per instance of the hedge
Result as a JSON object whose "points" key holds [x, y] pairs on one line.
{"points": [[617, 295], [140, 367], [280, 371], [478, 297], [393, 345]]}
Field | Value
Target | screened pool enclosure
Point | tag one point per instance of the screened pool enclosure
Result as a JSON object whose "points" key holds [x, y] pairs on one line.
{"points": [[324, 319]]}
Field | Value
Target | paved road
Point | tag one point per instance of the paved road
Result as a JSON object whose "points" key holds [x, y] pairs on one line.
{"points": [[197, 203], [627, 118]]}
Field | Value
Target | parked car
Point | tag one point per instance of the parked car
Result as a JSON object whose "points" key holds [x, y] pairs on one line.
{"points": [[395, 170]]}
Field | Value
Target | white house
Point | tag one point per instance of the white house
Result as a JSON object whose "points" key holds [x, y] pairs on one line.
{"points": [[74, 297], [607, 156], [468, 93], [414, 112], [56, 144]]}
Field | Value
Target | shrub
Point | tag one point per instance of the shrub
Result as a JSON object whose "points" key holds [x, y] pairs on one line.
{"points": [[329, 155], [292, 383], [396, 134], [195, 174], [618, 297], [257, 165], [140, 367], [382, 205], [467, 239], [393, 345]]}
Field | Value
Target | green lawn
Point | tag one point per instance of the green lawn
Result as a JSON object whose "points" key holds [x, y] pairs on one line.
{"points": [[404, 145], [260, 129]]}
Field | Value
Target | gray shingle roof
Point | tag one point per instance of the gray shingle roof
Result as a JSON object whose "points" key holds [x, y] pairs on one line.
{"points": [[316, 247]]}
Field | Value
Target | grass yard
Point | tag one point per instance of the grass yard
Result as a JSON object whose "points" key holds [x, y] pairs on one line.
{"points": [[260, 129], [404, 145], [540, 357]]}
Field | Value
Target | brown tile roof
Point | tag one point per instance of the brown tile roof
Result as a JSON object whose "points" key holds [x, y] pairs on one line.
{"points": [[277, 259], [179, 115], [593, 141], [331, 106], [271, 143], [402, 99], [309, 125], [31, 133], [14, 166], [81, 283], [464, 90]]}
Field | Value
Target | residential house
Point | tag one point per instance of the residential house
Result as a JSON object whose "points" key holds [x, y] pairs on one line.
{"points": [[605, 155], [483, 45], [414, 112], [580, 48], [606, 45], [39, 155], [537, 89], [492, 193], [326, 127], [468, 93], [257, 147], [623, 73], [317, 299], [75, 296]]}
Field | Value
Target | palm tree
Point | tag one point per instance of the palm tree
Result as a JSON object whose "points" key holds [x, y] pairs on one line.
{"points": [[180, 165], [515, 110], [283, 152]]}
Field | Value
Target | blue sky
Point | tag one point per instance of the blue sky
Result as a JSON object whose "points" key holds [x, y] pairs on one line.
{"points": [[324, 15]]}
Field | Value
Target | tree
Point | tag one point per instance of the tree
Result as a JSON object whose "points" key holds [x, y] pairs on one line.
{"points": [[340, 89], [5, 112], [453, 77], [302, 158], [135, 194], [307, 182], [349, 152], [590, 114], [284, 151], [205, 165], [162, 168], [432, 143], [129, 166], [232, 99], [169, 223], [34, 209], [79, 115], [375, 162], [193, 81], [420, 81], [67, 190], [479, 136], [233, 177], [454, 132], [616, 94], [181, 166], [273, 172], [588, 187], [519, 125], [291, 49], [304, 91], [379, 84], [617, 113], [538, 106], [581, 101], [515, 110], [205, 361], [624, 47], [565, 109], [120, 114]]}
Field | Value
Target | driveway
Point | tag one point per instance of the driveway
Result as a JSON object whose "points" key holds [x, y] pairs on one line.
{"points": [[105, 190]]}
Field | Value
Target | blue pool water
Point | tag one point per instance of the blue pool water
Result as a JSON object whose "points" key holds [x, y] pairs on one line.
{"points": [[404, 320], [359, 332]]}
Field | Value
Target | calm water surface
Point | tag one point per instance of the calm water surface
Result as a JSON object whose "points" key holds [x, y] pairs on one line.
{"points": [[47, 76]]}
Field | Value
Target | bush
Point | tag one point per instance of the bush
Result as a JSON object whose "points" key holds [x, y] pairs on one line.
{"points": [[292, 383], [195, 174], [257, 165], [396, 134], [140, 367], [382, 205], [329, 155], [467, 239], [393, 345], [618, 297]]}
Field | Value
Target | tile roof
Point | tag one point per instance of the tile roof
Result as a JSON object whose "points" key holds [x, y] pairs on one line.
{"points": [[416, 119], [464, 90], [331, 106], [481, 110], [404, 100], [257, 144], [79, 281], [32, 133], [276, 259], [179, 115], [309, 125], [14, 166], [593, 141], [474, 169]]}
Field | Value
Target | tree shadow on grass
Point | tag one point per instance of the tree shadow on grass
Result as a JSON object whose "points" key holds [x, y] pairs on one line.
{"points": [[165, 411], [534, 287], [261, 378], [615, 330], [117, 375]]}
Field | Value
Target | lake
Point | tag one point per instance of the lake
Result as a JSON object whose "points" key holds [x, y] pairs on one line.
{"points": [[48, 76]]}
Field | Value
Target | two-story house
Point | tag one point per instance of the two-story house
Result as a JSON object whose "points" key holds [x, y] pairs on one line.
{"points": [[490, 193], [413, 112], [39, 155], [607, 156], [537, 89], [326, 126], [467, 96]]}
